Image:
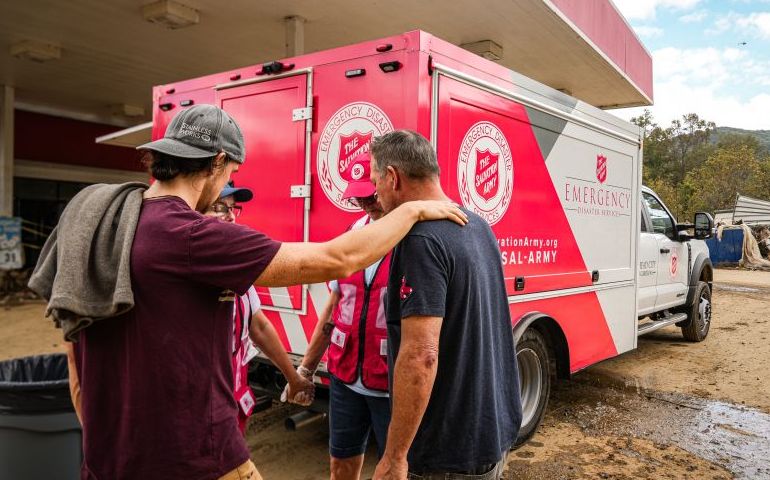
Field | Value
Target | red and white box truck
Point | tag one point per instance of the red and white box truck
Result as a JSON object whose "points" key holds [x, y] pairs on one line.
{"points": [[558, 180]]}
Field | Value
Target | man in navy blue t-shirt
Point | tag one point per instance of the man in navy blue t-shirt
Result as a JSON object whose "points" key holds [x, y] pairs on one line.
{"points": [[454, 380]]}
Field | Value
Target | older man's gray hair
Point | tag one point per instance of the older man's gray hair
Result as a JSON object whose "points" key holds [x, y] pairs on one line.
{"points": [[406, 151]]}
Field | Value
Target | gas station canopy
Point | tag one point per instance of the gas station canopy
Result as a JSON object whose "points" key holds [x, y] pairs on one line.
{"points": [[100, 59]]}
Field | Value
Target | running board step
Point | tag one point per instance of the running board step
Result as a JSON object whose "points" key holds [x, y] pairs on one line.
{"points": [[658, 324]]}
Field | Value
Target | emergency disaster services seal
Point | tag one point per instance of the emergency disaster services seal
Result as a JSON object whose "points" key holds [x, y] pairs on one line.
{"points": [[485, 172], [347, 134]]}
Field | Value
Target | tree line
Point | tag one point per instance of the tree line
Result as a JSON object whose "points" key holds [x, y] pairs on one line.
{"points": [[694, 168]]}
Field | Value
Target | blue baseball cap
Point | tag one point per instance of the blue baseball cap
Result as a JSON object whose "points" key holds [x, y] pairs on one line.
{"points": [[240, 194]]}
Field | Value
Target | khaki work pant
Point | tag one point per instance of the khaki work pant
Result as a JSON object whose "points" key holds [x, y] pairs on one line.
{"points": [[247, 471]]}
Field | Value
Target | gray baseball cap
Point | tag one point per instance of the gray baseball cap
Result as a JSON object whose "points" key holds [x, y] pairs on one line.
{"points": [[201, 131]]}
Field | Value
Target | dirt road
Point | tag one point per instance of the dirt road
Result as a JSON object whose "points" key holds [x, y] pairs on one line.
{"points": [[669, 409]]}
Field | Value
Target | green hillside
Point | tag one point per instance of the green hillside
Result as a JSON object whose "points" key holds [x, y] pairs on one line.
{"points": [[762, 135]]}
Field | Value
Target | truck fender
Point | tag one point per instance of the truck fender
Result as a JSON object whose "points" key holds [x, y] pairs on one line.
{"points": [[702, 263], [554, 334]]}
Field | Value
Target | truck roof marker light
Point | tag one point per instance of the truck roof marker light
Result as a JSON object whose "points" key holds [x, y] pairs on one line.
{"points": [[235, 77], [385, 47], [170, 91], [274, 67], [166, 106], [357, 72], [389, 67], [186, 103]]}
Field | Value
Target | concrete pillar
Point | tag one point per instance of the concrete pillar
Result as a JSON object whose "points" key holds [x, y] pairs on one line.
{"points": [[295, 36], [6, 151]]}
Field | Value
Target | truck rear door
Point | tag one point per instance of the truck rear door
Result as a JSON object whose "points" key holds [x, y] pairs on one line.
{"points": [[273, 115]]}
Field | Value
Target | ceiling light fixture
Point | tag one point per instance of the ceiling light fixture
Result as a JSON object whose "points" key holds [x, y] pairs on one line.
{"points": [[170, 14], [36, 51]]}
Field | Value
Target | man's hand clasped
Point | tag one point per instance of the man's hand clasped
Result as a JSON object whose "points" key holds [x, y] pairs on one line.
{"points": [[391, 469], [300, 389], [439, 210]]}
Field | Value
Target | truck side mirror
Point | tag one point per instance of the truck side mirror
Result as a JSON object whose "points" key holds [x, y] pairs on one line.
{"points": [[704, 225], [683, 231]]}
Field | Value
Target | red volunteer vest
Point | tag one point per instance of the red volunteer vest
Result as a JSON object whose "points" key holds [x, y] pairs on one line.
{"points": [[359, 343], [241, 390]]}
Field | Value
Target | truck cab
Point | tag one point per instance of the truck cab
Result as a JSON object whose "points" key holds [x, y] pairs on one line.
{"points": [[675, 273]]}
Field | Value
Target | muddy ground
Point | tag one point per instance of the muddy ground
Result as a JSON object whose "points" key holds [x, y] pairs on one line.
{"points": [[669, 409]]}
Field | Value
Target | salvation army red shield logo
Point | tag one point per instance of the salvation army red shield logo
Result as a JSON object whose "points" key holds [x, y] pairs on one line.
{"points": [[485, 171], [357, 172], [487, 174], [346, 134], [352, 146], [601, 168], [674, 264]]}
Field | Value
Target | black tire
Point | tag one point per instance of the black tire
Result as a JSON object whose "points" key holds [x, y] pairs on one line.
{"points": [[535, 371], [699, 315]]}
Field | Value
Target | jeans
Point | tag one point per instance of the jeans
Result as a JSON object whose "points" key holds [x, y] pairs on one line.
{"points": [[352, 418]]}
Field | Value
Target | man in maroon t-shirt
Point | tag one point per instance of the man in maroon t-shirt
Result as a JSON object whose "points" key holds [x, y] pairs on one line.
{"points": [[156, 382]]}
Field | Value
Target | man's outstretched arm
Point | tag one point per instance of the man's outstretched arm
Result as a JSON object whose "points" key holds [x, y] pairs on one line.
{"points": [[413, 377], [297, 263]]}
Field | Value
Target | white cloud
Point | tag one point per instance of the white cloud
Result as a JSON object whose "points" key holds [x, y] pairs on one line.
{"points": [[722, 24], [759, 22], [645, 9], [756, 24], [647, 31], [709, 82], [727, 111], [694, 17], [733, 54], [708, 66]]}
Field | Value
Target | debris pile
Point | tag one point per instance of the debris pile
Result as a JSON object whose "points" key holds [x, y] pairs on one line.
{"points": [[756, 245]]}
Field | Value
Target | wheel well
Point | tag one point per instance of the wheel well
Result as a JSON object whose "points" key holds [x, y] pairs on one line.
{"points": [[557, 342], [707, 274]]}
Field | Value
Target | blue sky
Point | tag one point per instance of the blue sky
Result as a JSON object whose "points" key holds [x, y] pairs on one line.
{"points": [[700, 63]]}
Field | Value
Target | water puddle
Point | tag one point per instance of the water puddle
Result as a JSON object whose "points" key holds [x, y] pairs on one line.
{"points": [[736, 288], [735, 436]]}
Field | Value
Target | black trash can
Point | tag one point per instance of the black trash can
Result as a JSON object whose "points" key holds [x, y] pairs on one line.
{"points": [[40, 435]]}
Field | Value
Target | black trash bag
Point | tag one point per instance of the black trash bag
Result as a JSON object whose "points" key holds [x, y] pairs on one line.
{"points": [[38, 384]]}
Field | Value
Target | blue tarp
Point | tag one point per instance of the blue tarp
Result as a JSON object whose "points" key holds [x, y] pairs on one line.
{"points": [[729, 249]]}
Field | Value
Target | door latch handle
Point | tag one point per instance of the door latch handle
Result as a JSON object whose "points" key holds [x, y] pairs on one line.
{"points": [[665, 250]]}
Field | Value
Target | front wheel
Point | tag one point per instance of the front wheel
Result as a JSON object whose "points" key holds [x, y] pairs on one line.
{"points": [[699, 313], [534, 364]]}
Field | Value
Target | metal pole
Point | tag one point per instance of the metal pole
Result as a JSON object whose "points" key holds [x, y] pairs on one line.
{"points": [[6, 151]]}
